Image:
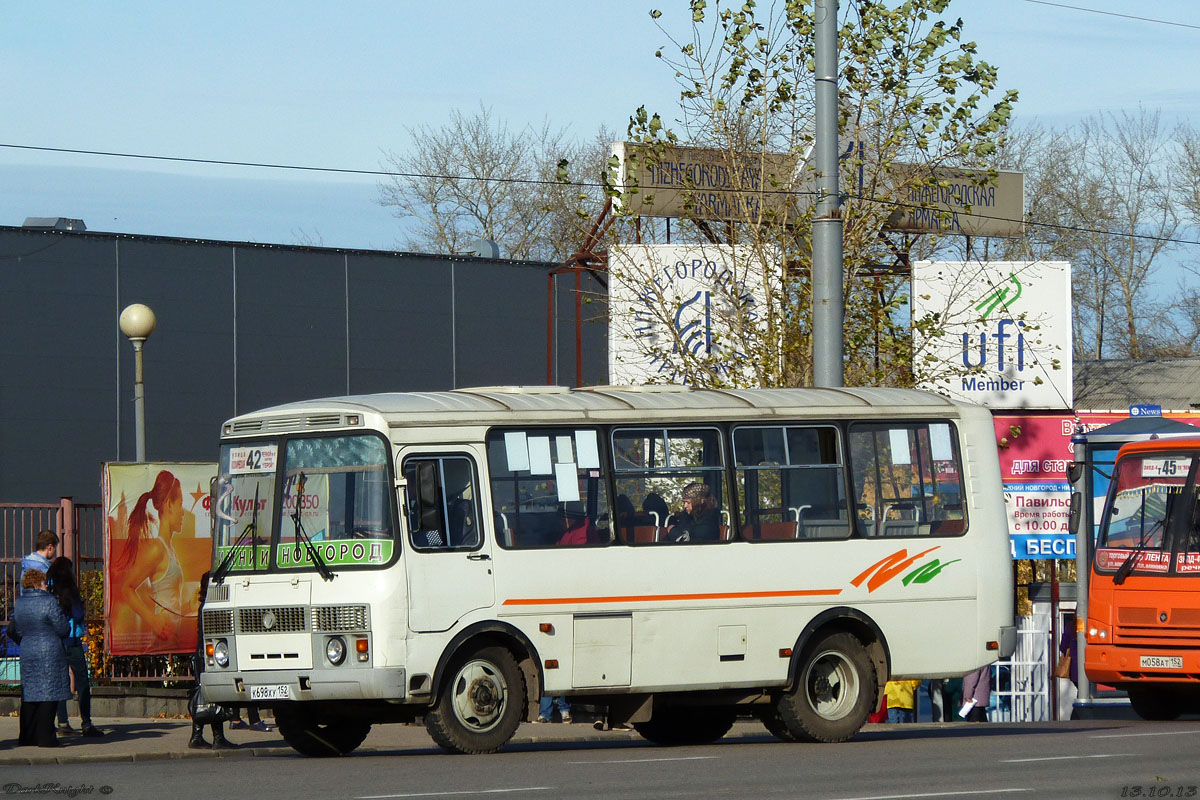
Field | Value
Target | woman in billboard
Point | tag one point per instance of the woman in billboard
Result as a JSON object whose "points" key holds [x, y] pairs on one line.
{"points": [[149, 586]]}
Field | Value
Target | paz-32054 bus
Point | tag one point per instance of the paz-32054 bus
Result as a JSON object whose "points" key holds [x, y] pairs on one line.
{"points": [[677, 557]]}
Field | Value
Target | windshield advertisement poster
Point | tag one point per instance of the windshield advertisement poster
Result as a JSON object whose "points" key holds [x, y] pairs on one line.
{"points": [[157, 544], [994, 333], [1035, 451]]}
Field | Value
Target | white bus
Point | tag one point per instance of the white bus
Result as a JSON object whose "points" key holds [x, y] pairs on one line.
{"points": [[678, 557]]}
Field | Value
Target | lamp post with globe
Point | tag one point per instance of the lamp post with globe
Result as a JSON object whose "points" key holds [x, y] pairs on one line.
{"points": [[137, 323]]}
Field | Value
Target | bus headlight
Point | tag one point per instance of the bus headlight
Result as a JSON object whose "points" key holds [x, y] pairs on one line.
{"points": [[335, 650], [220, 653]]}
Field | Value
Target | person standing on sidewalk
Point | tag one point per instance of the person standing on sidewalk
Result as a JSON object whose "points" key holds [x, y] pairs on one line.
{"points": [[44, 548], [977, 694], [197, 741], [61, 580], [39, 626]]}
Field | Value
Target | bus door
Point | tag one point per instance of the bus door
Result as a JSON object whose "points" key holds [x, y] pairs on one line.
{"points": [[449, 560]]}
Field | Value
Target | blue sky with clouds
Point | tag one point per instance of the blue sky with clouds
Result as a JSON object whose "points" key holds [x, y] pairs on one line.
{"points": [[308, 83]]}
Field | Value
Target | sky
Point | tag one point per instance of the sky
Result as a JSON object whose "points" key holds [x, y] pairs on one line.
{"points": [[327, 85]]}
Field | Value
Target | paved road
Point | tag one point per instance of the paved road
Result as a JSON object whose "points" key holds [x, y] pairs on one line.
{"points": [[897, 762]]}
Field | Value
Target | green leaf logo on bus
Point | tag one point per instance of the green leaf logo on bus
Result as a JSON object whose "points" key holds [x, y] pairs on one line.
{"points": [[887, 568]]}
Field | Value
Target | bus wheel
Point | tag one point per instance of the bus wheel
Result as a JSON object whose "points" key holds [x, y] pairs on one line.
{"points": [[1155, 703], [773, 722], [684, 726], [834, 692], [480, 704], [309, 737]]}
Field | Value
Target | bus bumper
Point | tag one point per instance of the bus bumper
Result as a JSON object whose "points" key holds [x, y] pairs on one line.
{"points": [[269, 686]]}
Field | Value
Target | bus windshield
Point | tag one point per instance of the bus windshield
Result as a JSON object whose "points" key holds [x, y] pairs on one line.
{"points": [[1141, 524]]}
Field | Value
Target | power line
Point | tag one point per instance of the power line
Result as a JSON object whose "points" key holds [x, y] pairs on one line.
{"points": [[1114, 14], [543, 182]]}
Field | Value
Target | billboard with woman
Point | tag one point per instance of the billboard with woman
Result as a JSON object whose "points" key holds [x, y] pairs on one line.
{"points": [[157, 544]]}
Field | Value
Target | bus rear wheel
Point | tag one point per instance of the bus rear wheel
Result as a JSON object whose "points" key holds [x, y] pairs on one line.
{"points": [[834, 691], [1156, 703], [686, 726], [310, 737], [480, 703]]}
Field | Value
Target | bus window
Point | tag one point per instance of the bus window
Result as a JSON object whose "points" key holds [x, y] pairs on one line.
{"points": [[340, 485], [444, 513], [1147, 493], [907, 479], [669, 485], [791, 483], [548, 488]]}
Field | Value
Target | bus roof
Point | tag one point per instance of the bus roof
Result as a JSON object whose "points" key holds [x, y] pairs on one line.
{"points": [[491, 405], [1161, 445]]}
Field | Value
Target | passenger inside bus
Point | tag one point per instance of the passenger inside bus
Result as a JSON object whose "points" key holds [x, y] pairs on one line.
{"points": [[700, 521]]}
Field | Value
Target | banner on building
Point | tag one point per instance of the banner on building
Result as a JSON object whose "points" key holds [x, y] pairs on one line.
{"points": [[994, 333], [157, 544], [675, 310]]}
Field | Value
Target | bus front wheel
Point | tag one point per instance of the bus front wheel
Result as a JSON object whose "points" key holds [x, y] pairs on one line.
{"points": [[310, 737], [834, 691], [1156, 703], [480, 703]]}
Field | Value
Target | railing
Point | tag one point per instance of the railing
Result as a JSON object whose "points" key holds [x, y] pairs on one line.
{"points": [[1021, 685], [80, 528]]}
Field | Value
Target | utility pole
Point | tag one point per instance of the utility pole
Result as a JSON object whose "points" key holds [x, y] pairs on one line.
{"points": [[828, 311]]}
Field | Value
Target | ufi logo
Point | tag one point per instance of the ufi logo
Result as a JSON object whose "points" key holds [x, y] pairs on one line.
{"points": [[995, 314]]}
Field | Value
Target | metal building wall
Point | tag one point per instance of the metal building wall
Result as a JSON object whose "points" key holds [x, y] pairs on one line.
{"points": [[243, 326]]}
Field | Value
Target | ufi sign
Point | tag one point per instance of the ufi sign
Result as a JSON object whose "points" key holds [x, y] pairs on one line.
{"points": [[679, 311], [995, 333]]}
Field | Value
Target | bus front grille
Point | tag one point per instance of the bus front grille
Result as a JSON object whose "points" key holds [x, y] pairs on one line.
{"points": [[340, 618], [271, 619], [217, 623]]}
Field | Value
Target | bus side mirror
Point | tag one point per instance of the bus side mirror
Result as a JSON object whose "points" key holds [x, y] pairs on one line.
{"points": [[1074, 471], [1073, 515]]}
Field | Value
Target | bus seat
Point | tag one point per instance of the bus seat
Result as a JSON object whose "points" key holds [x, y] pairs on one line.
{"points": [[771, 531], [503, 532], [824, 529], [899, 527]]}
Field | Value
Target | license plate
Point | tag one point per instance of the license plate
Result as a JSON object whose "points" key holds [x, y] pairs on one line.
{"points": [[281, 692], [1162, 662]]}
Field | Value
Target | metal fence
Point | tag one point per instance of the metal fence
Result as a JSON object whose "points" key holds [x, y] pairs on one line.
{"points": [[80, 529], [1021, 684]]}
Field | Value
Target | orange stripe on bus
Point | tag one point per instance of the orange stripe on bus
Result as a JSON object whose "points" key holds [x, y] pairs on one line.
{"points": [[639, 598]]}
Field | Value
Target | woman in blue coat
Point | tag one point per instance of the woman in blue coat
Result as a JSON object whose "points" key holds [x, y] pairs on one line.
{"points": [[39, 626]]}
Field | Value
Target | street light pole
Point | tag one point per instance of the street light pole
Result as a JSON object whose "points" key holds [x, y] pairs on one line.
{"points": [[137, 323]]}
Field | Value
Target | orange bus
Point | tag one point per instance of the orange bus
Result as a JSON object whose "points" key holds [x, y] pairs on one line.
{"points": [[1143, 626]]}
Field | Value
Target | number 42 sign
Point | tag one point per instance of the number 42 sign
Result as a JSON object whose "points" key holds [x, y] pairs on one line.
{"points": [[244, 460]]}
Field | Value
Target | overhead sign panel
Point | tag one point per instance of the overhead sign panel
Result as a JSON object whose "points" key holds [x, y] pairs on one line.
{"points": [[703, 183], [967, 202]]}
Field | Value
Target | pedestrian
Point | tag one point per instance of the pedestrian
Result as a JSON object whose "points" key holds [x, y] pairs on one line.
{"points": [[44, 548], [901, 700], [197, 741], [937, 701], [977, 695], [549, 703], [252, 722], [61, 581], [39, 626]]}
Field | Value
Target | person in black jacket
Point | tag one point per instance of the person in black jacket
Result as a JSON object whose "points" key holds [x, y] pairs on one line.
{"points": [[61, 579], [700, 522], [197, 741]]}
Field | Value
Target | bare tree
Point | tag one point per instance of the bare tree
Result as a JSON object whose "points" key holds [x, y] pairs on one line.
{"points": [[475, 178]]}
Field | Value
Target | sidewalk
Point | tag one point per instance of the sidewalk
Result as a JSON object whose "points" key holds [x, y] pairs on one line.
{"points": [[136, 739]]}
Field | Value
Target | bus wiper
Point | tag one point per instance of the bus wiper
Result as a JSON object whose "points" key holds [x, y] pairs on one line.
{"points": [[1128, 564], [251, 528], [318, 562]]}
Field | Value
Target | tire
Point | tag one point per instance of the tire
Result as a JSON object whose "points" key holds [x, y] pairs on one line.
{"points": [[1156, 703], [480, 703], [686, 726], [834, 692], [310, 737], [775, 725]]}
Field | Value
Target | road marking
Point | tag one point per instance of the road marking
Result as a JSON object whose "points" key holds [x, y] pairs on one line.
{"points": [[644, 760], [963, 793], [1065, 758], [448, 794], [1131, 735]]}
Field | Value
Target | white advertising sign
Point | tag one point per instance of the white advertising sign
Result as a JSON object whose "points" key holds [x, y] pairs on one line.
{"points": [[674, 309], [994, 333]]}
